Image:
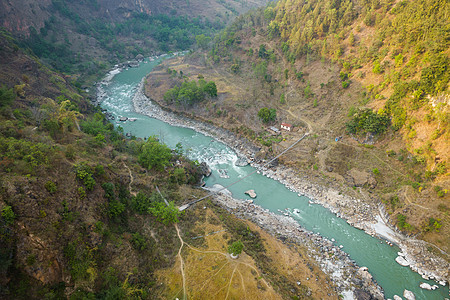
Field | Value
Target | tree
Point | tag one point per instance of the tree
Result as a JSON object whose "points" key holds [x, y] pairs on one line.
{"points": [[154, 154], [267, 115], [211, 89], [202, 41], [6, 96], [165, 214], [236, 248]]}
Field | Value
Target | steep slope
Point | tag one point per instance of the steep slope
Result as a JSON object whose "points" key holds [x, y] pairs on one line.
{"points": [[87, 37], [375, 97], [81, 216]]}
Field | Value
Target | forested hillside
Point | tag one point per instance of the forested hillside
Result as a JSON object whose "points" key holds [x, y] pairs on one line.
{"points": [[83, 211], [87, 37], [398, 51], [68, 210], [370, 79]]}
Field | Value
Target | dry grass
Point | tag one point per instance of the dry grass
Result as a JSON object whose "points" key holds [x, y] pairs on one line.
{"points": [[210, 272]]}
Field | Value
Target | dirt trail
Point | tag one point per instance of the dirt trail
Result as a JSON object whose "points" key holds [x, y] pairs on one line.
{"points": [[408, 200], [181, 261], [241, 261], [131, 180]]}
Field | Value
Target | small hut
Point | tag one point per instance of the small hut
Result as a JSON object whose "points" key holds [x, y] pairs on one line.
{"points": [[286, 126]]}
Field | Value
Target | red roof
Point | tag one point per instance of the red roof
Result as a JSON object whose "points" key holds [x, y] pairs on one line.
{"points": [[286, 125]]}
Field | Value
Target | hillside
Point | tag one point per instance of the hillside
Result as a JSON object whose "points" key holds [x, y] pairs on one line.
{"points": [[375, 101], [81, 216], [88, 37]]}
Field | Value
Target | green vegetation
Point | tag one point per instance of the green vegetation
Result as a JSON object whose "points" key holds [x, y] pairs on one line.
{"points": [[84, 173], [365, 120], [167, 32], [6, 96], [190, 93], [402, 224], [236, 248], [8, 215], [267, 115], [154, 154], [433, 224]]}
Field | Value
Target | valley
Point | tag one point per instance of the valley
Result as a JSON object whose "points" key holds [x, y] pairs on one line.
{"points": [[201, 94]]}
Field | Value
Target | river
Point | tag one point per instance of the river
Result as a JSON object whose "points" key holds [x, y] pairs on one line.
{"points": [[366, 250]]}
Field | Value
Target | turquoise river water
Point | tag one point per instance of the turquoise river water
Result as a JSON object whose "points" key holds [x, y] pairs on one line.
{"points": [[363, 248]]}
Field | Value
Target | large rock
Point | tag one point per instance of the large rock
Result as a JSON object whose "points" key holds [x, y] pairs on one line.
{"points": [[251, 193], [364, 273], [396, 297], [425, 286], [409, 295], [402, 261], [139, 57], [204, 169]]}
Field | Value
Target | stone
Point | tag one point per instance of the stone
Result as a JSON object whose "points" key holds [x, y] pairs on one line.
{"points": [[123, 119], [402, 261], [409, 295], [425, 286], [251, 193], [139, 57], [397, 297], [205, 169]]}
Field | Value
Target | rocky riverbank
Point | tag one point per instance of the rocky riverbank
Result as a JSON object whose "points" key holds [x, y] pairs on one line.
{"points": [[357, 212], [345, 274]]}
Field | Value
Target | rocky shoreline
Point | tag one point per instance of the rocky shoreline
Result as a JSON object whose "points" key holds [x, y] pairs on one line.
{"points": [[332, 260], [356, 212], [363, 216]]}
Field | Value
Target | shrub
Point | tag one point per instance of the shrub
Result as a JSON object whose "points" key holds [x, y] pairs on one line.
{"points": [[236, 248], [8, 215], [51, 187], [343, 76], [81, 192], [70, 152], [433, 224], [401, 222], [84, 173], [376, 171], [141, 203], [138, 242]]}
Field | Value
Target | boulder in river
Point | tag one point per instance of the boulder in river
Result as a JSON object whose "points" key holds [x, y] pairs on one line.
{"points": [[139, 57], [241, 162], [425, 286], [123, 119], [396, 297], [409, 295], [402, 261], [251, 193]]}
